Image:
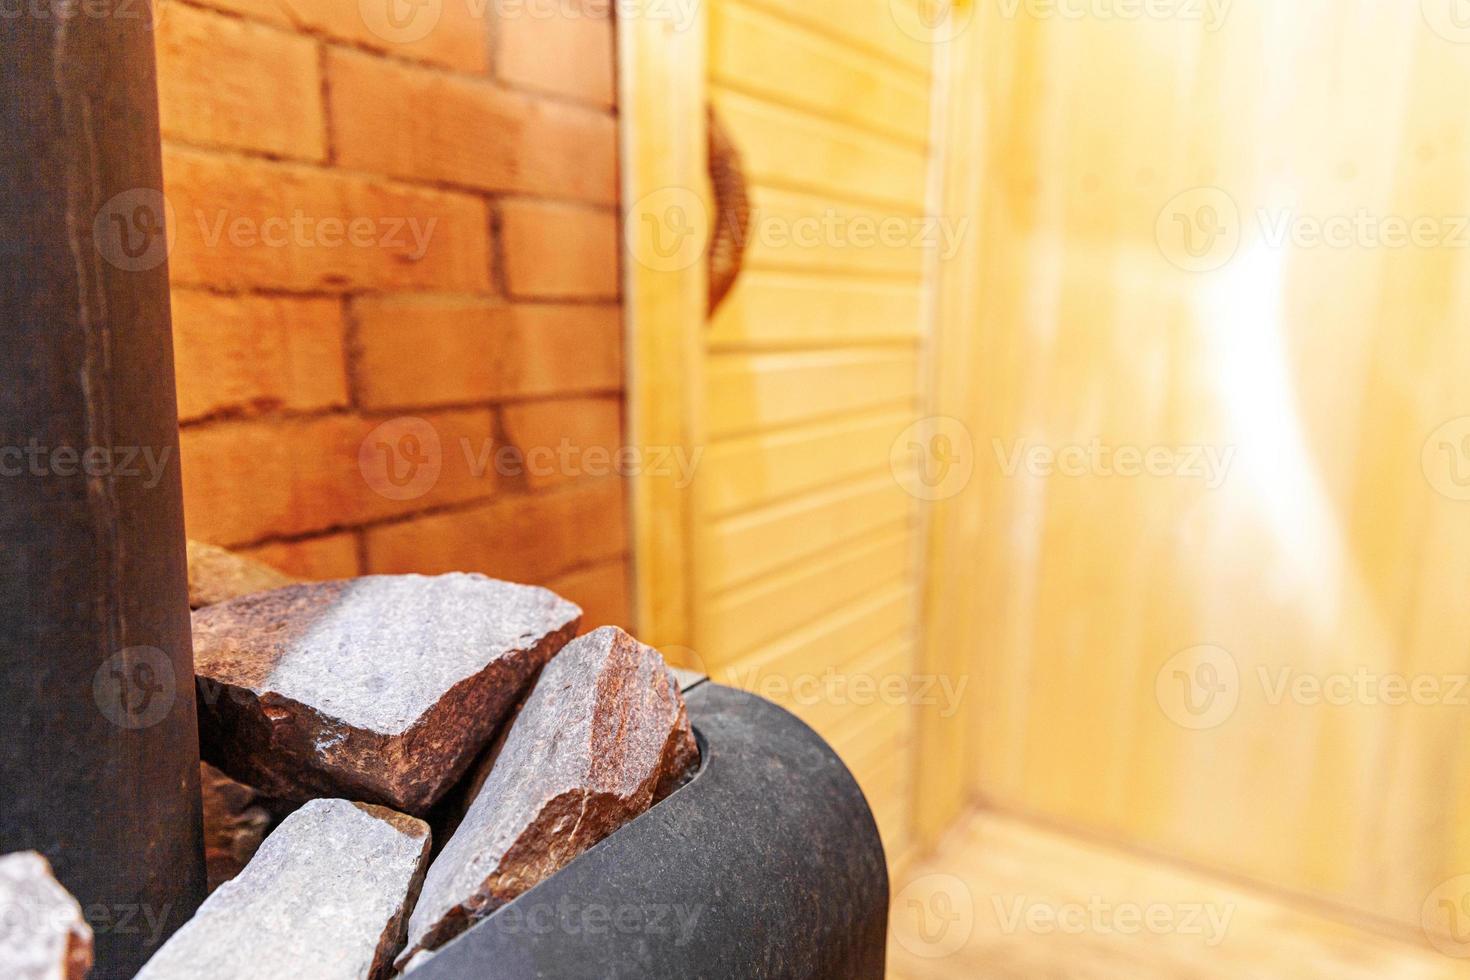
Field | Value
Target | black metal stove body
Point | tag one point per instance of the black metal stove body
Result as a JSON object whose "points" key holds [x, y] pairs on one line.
{"points": [[767, 865]]}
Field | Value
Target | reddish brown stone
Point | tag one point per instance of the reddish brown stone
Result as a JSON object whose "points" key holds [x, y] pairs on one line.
{"points": [[380, 689], [235, 823], [216, 575], [43, 935], [603, 736]]}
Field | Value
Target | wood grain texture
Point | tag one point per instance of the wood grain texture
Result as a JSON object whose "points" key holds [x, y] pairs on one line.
{"points": [[997, 880], [661, 92], [1334, 545], [807, 586]]}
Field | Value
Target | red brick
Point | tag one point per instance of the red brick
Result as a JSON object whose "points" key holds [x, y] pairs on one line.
{"points": [[332, 556], [570, 55], [223, 81], [246, 481], [456, 38], [524, 538], [243, 223], [559, 251], [255, 353], [423, 125], [601, 591], [428, 350], [560, 441]]}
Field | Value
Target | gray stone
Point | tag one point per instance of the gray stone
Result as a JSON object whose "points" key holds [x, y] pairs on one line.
{"points": [[325, 897], [603, 736], [43, 935], [381, 689]]}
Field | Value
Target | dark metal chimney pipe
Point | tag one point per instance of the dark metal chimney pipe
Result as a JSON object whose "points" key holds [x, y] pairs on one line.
{"points": [[98, 743]]}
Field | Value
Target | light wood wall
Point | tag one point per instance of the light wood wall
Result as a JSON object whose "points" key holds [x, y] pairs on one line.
{"points": [[806, 538], [1338, 541]]}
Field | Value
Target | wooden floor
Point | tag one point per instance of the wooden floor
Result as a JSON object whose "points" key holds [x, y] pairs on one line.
{"points": [[1006, 899]]}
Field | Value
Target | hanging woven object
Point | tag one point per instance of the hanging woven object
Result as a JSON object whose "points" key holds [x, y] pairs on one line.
{"points": [[732, 213]]}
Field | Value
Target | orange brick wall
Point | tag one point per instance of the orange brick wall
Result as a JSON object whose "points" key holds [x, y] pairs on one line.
{"points": [[385, 231]]}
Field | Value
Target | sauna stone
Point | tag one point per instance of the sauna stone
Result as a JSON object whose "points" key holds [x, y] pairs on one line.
{"points": [[326, 896], [235, 824], [603, 736], [43, 935], [380, 689], [216, 575]]}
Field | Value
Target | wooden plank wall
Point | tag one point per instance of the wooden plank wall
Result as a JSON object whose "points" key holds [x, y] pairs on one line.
{"points": [[807, 542], [1337, 546]]}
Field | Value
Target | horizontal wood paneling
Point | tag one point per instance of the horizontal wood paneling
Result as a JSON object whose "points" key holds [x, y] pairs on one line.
{"points": [[749, 392], [762, 55], [807, 539], [771, 310]]}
